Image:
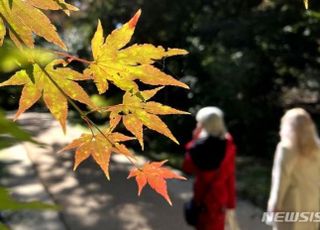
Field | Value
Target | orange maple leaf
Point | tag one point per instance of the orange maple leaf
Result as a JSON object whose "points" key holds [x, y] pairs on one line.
{"points": [[121, 66], [136, 112], [99, 146], [155, 175], [55, 100]]}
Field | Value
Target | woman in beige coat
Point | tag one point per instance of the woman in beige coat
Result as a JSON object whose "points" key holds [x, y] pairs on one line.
{"points": [[296, 173]]}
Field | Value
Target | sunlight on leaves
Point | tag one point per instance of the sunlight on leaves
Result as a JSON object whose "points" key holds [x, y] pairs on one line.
{"points": [[121, 66]]}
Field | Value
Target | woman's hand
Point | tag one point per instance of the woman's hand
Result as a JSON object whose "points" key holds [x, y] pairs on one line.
{"points": [[196, 132]]}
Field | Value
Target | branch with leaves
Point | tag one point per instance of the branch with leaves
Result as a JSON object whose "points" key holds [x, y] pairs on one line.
{"points": [[114, 62]]}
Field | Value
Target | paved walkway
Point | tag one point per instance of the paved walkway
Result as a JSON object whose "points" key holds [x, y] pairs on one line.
{"points": [[87, 199]]}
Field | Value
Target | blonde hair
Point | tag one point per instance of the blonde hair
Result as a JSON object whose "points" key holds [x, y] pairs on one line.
{"points": [[211, 119], [299, 132]]}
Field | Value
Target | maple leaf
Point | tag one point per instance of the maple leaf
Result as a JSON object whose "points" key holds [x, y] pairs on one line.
{"points": [[53, 5], [136, 112], [155, 175], [100, 147], [24, 17], [122, 66], [54, 99]]}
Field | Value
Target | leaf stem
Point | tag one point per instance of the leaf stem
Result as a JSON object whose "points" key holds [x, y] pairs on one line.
{"points": [[71, 57]]}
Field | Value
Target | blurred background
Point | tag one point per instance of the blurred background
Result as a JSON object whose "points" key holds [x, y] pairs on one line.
{"points": [[252, 58]]}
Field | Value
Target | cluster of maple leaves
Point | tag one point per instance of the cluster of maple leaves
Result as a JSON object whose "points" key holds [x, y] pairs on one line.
{"points": [[113, 62]]}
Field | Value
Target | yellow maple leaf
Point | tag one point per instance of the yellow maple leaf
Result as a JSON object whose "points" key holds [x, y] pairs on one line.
{"points": [[122, 66], [53, 5], [41, 84], [136, 112], [100, 147], [24, 17]]}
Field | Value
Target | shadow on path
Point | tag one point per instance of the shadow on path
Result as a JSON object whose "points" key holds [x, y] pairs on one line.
{"points": [[90, 201]]}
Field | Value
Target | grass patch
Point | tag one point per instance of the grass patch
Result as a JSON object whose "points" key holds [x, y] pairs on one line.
{"points": [[254, 180]]}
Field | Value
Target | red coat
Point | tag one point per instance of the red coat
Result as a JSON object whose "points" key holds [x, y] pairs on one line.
{"points": [[220, 194]]}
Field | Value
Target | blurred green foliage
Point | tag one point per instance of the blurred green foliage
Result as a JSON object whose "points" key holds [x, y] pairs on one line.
{"points": [[7, 203], [3, 227], [12, 58], [11, 133], [254, 180]]}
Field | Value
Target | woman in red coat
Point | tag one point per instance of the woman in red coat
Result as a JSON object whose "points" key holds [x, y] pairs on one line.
{"points": [[210, 157]]}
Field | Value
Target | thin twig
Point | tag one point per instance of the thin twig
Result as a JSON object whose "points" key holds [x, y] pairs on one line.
{"points": [[72, 57]]}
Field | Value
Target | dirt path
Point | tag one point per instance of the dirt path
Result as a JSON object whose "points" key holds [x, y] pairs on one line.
{"points": [[89, 201]]}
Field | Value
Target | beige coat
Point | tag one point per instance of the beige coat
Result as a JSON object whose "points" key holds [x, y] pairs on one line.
{"points": [[295, 186]]}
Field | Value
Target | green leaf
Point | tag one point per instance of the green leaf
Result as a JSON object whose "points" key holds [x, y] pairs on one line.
{"points": [[8, 203], [11, 133], [3, 227], [12, 58]]}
